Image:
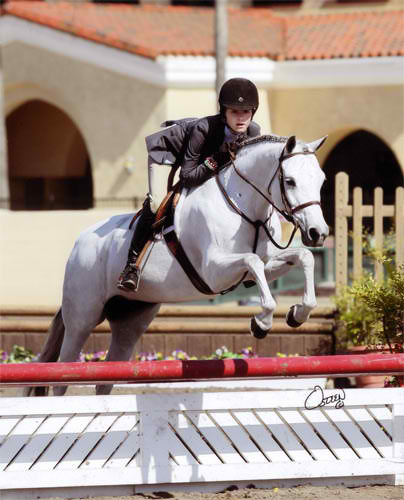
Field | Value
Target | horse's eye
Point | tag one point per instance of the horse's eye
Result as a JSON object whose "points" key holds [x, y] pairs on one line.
{"points": [[290, 182]]}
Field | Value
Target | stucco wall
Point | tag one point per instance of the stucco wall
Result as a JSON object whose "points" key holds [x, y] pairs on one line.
{"points": [[34, 248], [113, 112], [315, 112]]}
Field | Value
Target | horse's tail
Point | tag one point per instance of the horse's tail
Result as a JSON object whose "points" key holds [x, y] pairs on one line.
{"points": [[50, 352]]}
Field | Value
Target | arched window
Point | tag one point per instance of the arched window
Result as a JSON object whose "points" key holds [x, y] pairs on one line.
{"points": [[369, 162], [49, 166]]}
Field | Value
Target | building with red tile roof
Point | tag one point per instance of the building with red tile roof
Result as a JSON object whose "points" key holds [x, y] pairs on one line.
{"points": [[151, 31], [82, 84]]}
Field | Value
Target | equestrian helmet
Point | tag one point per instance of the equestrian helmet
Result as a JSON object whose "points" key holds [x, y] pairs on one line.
{"points": [[238, 93]]}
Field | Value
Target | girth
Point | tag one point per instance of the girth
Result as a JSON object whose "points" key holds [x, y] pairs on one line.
{"points": [[177, 250]]}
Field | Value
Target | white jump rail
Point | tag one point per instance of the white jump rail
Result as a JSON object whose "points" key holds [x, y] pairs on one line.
{"points": [[126, 444]]}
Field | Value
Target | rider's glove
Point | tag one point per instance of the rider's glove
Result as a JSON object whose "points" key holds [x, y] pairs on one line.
{"points": [[218, 160], [236, 144]]}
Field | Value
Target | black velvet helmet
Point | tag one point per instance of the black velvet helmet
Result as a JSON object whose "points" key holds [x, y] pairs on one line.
{"points": [[238, 93]]}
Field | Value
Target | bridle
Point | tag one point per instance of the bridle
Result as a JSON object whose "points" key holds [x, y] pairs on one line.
{"points": [[179, 253], [288, 212]]}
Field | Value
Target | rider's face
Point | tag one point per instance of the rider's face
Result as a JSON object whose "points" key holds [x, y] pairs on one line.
{"points": [[238, 119]]}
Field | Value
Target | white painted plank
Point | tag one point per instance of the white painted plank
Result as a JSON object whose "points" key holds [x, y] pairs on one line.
{"points": [[398, 433], [39, 441], [87, 441], [192, 438], [155, 439], [125, 453], [372, 430], [117, 434], [330, 435], [6, 425], [17, 439], [62, 442], [261, 435], [185, 401], [284, 436], [351, 433], [215, 438], [239, 437], [384, 416], [278, 399], [80, 405], [205, 473], [176, 448], [305, 432]]}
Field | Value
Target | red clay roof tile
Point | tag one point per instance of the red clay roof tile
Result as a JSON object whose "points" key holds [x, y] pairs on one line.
{"points": [[150, 30]]}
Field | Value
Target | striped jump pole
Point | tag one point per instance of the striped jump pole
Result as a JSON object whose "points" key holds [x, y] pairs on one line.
{"points": [[140, 371]]}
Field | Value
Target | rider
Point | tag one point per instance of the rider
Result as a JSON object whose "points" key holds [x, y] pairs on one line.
{"points": [[200, 147]]}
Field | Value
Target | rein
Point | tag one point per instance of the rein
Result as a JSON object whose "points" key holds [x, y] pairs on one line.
{"points": [[287, 213], [179, 253]]}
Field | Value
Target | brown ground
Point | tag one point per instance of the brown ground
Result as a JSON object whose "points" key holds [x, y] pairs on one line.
{"points": [[299, 492]]}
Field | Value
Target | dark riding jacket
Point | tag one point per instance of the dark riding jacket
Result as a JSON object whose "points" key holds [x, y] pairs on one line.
{"points": [[188, 143]]}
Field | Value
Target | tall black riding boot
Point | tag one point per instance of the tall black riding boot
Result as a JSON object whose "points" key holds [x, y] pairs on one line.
{"points": [[130, 278]]}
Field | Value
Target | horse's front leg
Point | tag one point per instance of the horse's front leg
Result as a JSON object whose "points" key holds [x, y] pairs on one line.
{"points": [[280, 265], [238, 264]]}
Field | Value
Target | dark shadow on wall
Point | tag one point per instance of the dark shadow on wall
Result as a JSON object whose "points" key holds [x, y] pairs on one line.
{"points": [[370, 163], [49, 165]]}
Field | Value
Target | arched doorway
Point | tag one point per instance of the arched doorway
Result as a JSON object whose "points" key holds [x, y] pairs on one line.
{"points": [[48, 162], [369, 162]]}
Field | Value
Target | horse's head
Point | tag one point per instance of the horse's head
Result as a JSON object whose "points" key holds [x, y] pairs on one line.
{"points": [[286, 174], [295, 189]]}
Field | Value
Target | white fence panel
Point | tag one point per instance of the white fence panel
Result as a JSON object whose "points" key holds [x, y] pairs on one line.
{"points": [[179, 439]]}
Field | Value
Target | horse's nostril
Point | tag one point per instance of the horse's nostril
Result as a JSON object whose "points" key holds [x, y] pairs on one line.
{"points": [[314, 234]]}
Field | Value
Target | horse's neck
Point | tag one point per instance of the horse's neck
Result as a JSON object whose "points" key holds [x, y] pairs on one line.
{"points": [[258, 169]]}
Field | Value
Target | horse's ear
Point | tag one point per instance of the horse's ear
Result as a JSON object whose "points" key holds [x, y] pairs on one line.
{"points": [[317, 144], [290, 144]]}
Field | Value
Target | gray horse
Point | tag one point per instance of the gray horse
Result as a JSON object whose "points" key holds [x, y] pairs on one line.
{"points": [[217, 225]]}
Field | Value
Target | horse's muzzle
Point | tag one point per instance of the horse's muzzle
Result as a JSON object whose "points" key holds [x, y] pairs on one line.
{"points": [[314, 237]]}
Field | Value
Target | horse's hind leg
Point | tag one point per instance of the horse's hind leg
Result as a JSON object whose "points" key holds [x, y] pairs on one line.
{"points": [[50, 352], [79, 323], [280, 265], [128, 320]]}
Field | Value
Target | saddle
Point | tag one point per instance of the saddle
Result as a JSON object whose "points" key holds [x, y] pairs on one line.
{"points": [[165, 224]]}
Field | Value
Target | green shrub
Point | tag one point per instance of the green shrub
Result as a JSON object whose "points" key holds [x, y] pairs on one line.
{"points": [[371, 313], [385, 300]]}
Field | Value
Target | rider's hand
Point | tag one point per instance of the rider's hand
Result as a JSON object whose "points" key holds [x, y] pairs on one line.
{"points": [[218, 160], [221, 158], [236, 145]]}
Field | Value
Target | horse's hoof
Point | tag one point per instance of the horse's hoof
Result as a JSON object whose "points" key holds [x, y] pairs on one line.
{"points": [[256, 331], [290, 318]]}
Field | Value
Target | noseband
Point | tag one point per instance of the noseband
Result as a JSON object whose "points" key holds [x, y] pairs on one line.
{"points": [[288, 212]]}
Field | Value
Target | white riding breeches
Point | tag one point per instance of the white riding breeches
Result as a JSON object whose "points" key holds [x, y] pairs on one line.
{"points": [[158, 180]]}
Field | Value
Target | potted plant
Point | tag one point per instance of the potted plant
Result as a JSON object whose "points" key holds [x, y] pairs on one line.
{"points": [[370, 315]]}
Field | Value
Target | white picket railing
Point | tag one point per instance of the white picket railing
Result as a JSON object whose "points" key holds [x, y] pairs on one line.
{"points": [[357, 211], [131, 443]]}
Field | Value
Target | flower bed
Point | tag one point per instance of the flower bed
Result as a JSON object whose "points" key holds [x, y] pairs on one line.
{"points": [[21, 355]]}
